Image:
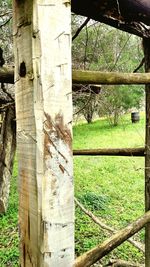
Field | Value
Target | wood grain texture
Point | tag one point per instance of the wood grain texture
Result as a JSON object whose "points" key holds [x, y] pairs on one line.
{"points": [[42, 41]]}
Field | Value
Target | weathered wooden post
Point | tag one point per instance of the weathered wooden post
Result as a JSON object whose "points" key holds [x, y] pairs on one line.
{"points": [[42, 46], [146, 44]]}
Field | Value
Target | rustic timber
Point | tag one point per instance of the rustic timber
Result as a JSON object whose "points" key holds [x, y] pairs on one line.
{"points": [[138, 152], [96, 77], [89, 77], [42, 47], [97, 253], [6, 75], [146, 45]]}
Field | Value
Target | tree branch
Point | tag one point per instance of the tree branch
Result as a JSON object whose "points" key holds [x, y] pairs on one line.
{"points": [[80, 28], [140, 65], [95, 254], [136, 244], [121, 263]]}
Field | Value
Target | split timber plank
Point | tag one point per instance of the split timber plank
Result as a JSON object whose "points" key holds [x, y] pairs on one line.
{"points": [[42, 46]]}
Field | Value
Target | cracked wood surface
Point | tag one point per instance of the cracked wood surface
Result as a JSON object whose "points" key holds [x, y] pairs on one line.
{"points": [[44, 131]]}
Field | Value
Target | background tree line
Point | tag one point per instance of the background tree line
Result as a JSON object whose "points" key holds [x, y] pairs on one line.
{"points": [[100, 47]]}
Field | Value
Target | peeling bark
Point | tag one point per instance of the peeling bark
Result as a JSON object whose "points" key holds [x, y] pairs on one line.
{"points": [[7, 152]]}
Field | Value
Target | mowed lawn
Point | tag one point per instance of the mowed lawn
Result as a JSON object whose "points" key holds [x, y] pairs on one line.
{"points": [[111, 187]]}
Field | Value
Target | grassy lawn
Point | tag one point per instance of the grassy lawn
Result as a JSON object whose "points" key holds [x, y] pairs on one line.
{"points": [[9, 252], [114, 184], [111, 187]]}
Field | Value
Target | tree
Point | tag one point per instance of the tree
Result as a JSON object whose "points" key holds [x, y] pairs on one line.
{"points": [[86, 102], [7, 108], [102, 48], [117, 100]]}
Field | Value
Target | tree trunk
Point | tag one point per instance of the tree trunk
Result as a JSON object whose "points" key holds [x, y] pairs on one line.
{"points": [[146, 44], [42, 43], [7, 152]]}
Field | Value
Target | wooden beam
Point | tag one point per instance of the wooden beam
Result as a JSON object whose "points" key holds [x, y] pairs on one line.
{"points": [[42, 48], [97, 253], [129, 21], [138, 152], [6, 75], [96, 77], [146, 45]]}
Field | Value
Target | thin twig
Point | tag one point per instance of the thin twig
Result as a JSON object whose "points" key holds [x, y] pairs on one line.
{"points": [[80, 28], [122, 263], [136, 244], [4, 23], [140, 65]]}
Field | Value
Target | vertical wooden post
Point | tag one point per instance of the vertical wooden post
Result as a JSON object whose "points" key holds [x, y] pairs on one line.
{"points": [[42, 45], [146, 45]]}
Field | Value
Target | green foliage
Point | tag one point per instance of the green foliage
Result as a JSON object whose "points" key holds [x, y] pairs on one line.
{"points": [[94, 201], [9, 251], [100, 47], [112, 187], [116, 100], [6, 36]]}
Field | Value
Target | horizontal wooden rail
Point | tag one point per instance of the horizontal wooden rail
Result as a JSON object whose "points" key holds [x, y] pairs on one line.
{"points": [[6, 75], [138, 152], [90, 77], [96, 77]]}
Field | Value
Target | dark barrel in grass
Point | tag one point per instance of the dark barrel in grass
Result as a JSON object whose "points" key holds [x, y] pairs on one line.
{"points": [[135, 117]]}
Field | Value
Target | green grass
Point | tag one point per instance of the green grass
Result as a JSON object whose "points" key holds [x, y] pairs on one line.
{"points": [[9, 252], [116, 184], [111, 187]]}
